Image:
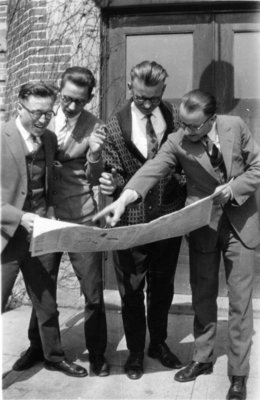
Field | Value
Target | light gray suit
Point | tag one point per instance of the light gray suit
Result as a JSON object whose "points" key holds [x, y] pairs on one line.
{"points": [[233, 231]]}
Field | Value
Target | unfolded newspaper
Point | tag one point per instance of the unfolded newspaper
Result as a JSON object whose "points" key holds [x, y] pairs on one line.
{"points": [[51, 236]]}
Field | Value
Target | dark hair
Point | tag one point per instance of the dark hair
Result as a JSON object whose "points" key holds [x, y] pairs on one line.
{"points": [[149, 72], [199, 100], [80, 76], [38, 89]]}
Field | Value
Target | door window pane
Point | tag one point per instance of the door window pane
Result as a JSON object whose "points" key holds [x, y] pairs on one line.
{"points": [[247, 65], [173, 51]]}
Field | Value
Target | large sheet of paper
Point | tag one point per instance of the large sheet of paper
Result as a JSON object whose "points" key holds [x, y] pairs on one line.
{"points": [[51, 236]]}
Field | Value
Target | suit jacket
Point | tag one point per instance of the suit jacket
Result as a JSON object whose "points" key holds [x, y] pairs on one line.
{"points": [[121, 153], [14, 177], [75, 175], [242, 161]]}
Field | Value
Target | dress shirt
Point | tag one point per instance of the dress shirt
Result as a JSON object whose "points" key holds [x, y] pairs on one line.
{"points": [[139, 121], [27, 136], [60, 121]]}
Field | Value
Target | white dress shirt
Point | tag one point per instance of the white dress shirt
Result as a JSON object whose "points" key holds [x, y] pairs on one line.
{"points": [[139, 121]]}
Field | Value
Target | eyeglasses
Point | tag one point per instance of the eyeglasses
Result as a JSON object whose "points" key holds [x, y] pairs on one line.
{"points": [[68, 100], [193, 127], [36, 114], [142, 100]]}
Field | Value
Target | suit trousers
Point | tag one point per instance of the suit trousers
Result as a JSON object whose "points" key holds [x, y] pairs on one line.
{"points": [[154, 264], [88, 269], [40, 277], [204, 280]]}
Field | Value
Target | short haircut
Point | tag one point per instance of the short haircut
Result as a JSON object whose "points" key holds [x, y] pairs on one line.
{"points": [[37, 89], [80, 76], [199, 100], [149, 72]]}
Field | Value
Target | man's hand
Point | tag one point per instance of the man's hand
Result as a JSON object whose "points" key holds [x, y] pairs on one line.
{"points": [[27, 221], [50, 213], [108, 182], [113, 211], [96, 142], [222, 195]]}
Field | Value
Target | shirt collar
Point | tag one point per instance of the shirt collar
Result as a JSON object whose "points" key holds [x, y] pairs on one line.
{"points": [[61, 115], [25, 134], [140, 115]]}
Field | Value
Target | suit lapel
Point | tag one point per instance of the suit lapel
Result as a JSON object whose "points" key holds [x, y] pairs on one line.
{"points": [[48, 151], [16, 146], [226, 140], [168, 117], [125, 122]]}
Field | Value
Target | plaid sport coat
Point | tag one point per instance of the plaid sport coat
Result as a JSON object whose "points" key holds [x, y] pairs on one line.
{"points": [[120, 153]]}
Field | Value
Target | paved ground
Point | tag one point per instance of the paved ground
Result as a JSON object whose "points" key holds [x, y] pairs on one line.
{"points": [[157, 382]]}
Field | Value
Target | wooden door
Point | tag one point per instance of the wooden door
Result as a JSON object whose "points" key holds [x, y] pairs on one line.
{"points": [[217, 52]]}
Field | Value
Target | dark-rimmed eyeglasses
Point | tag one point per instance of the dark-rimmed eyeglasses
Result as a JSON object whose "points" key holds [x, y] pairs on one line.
{"points": [[194, 127], [141, 100], [36, 114], [68, 100]]}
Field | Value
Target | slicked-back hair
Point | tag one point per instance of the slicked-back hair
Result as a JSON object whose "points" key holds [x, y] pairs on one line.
{"points": [[80, 76], [149, 72], [199, 100], [37, 89]]}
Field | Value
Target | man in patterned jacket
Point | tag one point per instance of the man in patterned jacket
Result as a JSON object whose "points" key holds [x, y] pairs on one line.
{"points": [[134, 135]]}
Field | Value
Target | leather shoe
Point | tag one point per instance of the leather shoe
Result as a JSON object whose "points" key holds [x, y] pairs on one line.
{"points": [[70, 369], [192, 370], [28, 359], [134, 366], [99, 365], [162, 352], [237, 390]]}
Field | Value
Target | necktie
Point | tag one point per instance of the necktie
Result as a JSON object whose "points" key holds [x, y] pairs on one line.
{"points": [[152, 142], [63, 132], [215, 157], [36, 143]]}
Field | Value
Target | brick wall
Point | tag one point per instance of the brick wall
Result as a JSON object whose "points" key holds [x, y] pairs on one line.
{"points": [[44, 38], [3, 28]]}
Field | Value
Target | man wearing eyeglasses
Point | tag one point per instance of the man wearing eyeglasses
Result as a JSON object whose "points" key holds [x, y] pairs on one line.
{"points": [[213, 150], [135, 134], [28, 151], [77, 168]]}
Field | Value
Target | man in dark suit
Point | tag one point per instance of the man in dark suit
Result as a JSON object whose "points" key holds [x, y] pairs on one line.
{"points": [[28, 150], [212, 150], [134, 135]]}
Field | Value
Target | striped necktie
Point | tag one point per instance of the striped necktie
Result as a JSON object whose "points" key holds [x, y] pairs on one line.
{"points": [[152, 142], [215, 157]]}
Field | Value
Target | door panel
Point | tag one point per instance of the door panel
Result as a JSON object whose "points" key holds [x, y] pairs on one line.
{"points": [[217, 52]]}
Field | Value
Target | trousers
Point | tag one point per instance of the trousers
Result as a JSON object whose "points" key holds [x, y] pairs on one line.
{"points": [[206, 247], [40, 277], [153, 264]]}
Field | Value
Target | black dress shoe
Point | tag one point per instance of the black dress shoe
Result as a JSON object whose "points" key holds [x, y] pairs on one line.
{"points": [[31, 357], [192, 370], [134, 366], [70, 369], [164, 355], [99, 365], [237, 390]]}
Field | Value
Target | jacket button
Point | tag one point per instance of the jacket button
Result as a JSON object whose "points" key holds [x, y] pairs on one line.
{"points": [[150, 208], [150, 191], [23, 192], [54, 192]]}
